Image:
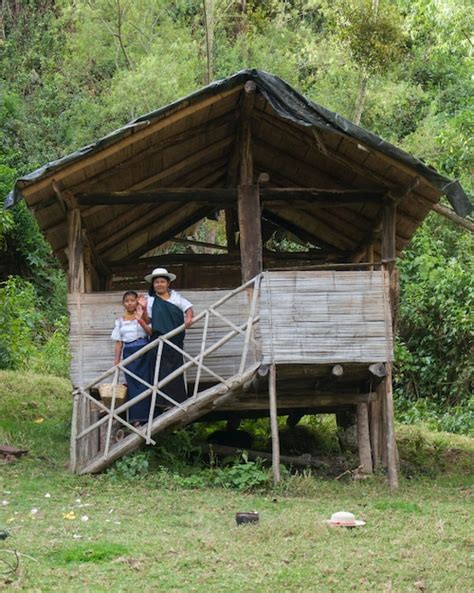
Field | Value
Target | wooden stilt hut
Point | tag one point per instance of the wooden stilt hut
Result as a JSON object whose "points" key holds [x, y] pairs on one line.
{"points": [[276, 332]]}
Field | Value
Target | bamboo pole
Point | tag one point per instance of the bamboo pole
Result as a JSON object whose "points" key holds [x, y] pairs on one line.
{"points": [[100, 405], [451, 215], [153, 392], [201, 355], [248, 332], [111, 414], [274, 424], [73, 447]]}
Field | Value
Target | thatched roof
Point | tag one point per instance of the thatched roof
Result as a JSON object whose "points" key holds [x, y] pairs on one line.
{"points": [[190, 144]]}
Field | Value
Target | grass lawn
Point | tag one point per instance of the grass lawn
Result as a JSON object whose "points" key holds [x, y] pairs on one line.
{"points": [[84, 533]]}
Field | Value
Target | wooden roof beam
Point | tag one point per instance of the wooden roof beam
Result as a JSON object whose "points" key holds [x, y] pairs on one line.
{"points": [[318, 197], [453, 217], [203, 244]]}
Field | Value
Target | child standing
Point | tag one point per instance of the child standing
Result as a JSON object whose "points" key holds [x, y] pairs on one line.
{"points": [[131, 334]]}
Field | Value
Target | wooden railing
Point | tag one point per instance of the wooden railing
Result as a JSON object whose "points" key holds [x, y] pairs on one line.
{"points": [[82, 428]]}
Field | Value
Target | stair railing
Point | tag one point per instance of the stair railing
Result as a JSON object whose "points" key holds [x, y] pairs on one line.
{"points": [[155, 389]]}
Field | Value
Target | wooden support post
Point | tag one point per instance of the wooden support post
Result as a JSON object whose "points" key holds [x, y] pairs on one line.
{"points": [[76, 280], [274, 424], [388, 259], [375, 413], [363, 438], [248, 200], [389, 215], [80, 451], [250, 232], [392, 453], [230, 228]]}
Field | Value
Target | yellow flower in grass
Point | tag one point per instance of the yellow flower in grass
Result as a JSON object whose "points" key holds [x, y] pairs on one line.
{"points": [[69, 516]]}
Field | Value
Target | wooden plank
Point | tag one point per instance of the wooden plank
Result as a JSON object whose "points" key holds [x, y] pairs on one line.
{"points": [[317, 197], [297, 398]]}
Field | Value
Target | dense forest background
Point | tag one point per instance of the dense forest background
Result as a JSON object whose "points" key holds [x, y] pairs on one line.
{"points": [[73, 70]]}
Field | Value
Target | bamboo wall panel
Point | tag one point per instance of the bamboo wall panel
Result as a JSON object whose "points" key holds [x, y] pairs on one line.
{"points": [[319, 317], [325, 317], [92, 318]]}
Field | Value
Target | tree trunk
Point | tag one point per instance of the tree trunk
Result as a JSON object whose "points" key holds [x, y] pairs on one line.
{"points": [[208, 6], [360, 103]]}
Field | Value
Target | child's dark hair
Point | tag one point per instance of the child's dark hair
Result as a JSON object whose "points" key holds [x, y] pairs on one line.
{"points": [[129, 293]]}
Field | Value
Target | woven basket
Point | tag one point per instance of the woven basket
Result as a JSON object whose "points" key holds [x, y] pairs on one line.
{"points": [[105, 392]]}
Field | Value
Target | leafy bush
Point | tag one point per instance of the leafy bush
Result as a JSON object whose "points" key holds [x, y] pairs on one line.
{"points": [[54, 356], [130, 467], [27, 338], [19, 323], [457, 419], [240, 474]]}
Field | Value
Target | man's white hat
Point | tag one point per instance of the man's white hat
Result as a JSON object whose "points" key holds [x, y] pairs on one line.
{"points": [[344, 519], [160, 272]]}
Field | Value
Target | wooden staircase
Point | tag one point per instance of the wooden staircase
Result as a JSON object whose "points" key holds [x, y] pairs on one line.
{"points": [[92, 448]]}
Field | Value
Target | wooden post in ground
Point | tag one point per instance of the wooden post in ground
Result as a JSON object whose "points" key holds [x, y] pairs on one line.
{"points": [[248, 201], [375, 417], [388, 260], [274, 424], [363, 438], [81, 450]]}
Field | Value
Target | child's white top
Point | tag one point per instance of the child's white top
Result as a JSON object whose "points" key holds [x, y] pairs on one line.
{"points": [[175, 299], [127, 330]]}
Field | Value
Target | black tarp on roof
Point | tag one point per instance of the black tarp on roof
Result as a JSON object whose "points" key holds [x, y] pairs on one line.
{"points": [[289, 104]]}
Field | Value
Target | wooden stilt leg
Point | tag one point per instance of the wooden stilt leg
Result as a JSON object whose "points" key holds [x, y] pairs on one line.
{"points": [[375, 414], [392, 454], [274, 425], [363, 438]]}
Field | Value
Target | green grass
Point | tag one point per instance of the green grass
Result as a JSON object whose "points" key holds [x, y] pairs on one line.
{"points": [[151, 535]]}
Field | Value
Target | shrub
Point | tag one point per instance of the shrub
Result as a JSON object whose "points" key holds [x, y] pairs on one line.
{"points": [[19, 323]]}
